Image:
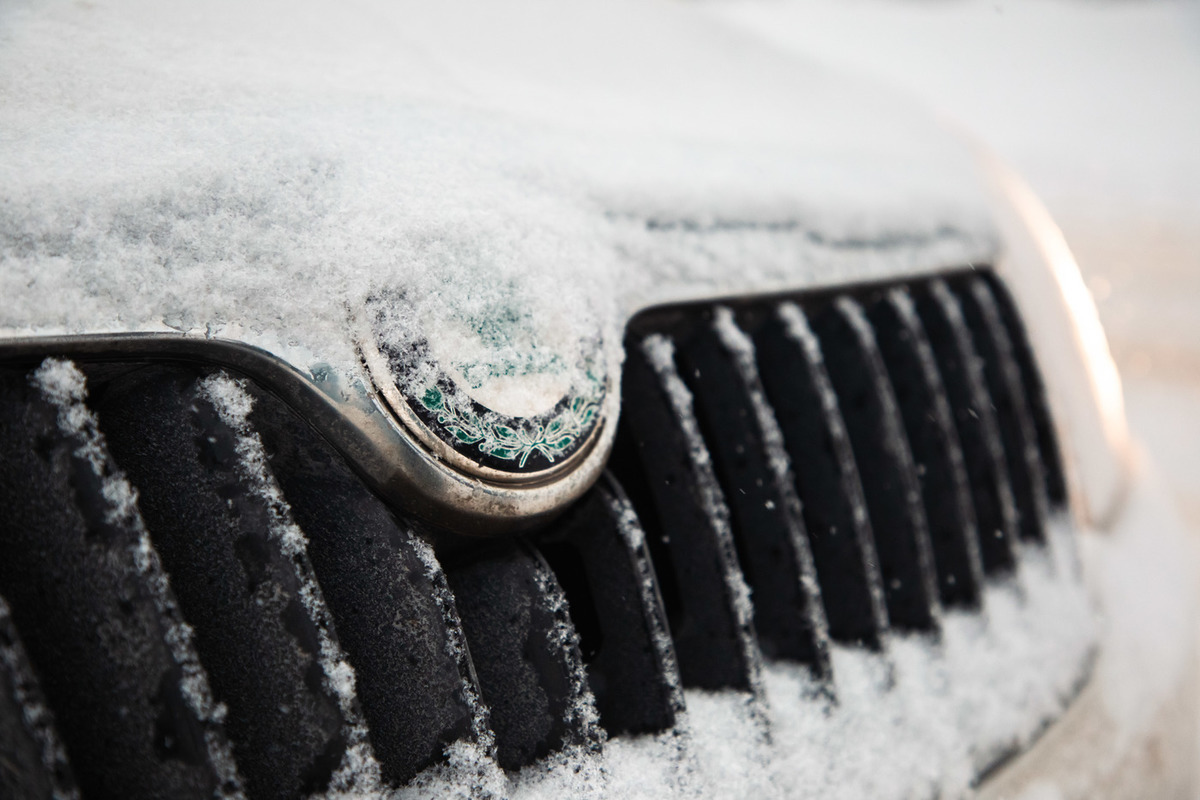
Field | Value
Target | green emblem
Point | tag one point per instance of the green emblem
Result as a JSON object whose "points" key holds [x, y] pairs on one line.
{"points": [[552, 437]]}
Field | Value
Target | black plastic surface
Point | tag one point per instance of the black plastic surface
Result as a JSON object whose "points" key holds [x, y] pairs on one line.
{"points": [[975, 420], [764, 509], [236, 587], [522, 645], [884, 461], [600, 558], [937, 453], [835, 517], [87, 618], [694, 556], [395, 618]]}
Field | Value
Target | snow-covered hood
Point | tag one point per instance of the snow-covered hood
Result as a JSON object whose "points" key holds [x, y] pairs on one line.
{"points": [[493, 186]]}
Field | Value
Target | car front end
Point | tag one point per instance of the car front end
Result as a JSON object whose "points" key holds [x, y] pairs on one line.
{"points": [[533, 399]]}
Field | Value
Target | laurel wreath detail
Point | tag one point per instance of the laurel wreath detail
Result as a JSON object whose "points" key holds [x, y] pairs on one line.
{"points": [[508, 443]]}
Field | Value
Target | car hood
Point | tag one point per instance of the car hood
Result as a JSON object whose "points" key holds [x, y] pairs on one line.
{"points": [[498, 185]]}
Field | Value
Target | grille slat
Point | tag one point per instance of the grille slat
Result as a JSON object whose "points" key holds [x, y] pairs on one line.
{"points": [[1007, 391], [598, 552], [523, 648], [834, 511], [709, 613], [1035, 391], [975, 419], [261, 644], [717, 362], [99, 627], [394, 613], [883, 461], [935, 446], [33, 763]]}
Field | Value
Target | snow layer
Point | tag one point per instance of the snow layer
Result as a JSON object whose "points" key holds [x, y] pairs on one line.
{"points": [[257, 172], [1095, 103], [921, 720]]}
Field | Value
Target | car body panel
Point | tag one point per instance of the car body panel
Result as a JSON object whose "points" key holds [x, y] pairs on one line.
{"points": [[246, 185]]}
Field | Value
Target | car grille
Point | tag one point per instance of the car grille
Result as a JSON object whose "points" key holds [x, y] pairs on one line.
{"points": [[792, 475], [866, 456]]}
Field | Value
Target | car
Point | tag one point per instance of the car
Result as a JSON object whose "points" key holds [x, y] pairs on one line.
{"points": [[530, 399]]}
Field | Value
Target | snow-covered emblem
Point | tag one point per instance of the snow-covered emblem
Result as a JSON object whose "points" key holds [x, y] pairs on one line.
{"points": [[553, 437], [496, 395]]}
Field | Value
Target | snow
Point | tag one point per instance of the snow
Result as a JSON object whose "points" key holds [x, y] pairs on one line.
{"points": [[1095, 103], [257, 173], [921, 720], [64, 386]]}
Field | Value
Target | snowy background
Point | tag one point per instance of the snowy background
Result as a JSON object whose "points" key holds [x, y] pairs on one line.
{"points": [[1097, 103]]}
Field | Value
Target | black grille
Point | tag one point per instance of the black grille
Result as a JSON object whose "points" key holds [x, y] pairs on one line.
{"points": [[862, 459], [880, 450]]}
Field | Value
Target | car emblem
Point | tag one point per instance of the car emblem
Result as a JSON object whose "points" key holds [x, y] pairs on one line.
{"points": [[486, 412]]}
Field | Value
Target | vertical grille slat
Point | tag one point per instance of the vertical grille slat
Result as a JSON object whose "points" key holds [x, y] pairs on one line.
{"points": [[259, 641], [99, 624], [975, 420], [1031, 379], [525, 654], [717, 362], [598, 552], [394, 613], [695, 557], [883, 461], [935, 446], [835, 516], [1016, 424], [33, 763]]}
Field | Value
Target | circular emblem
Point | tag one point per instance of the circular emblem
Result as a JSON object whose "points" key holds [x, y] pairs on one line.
{"points": [[486, 394]]}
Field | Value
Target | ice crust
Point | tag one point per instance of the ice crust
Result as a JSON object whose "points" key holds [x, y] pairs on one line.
{"points": [[256, 173]]}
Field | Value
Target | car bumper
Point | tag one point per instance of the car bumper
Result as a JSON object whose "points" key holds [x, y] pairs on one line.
{"points": [[1132, 730]]}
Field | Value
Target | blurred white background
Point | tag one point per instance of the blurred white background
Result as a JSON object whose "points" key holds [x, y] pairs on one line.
{"points": [[1097, 104]]}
